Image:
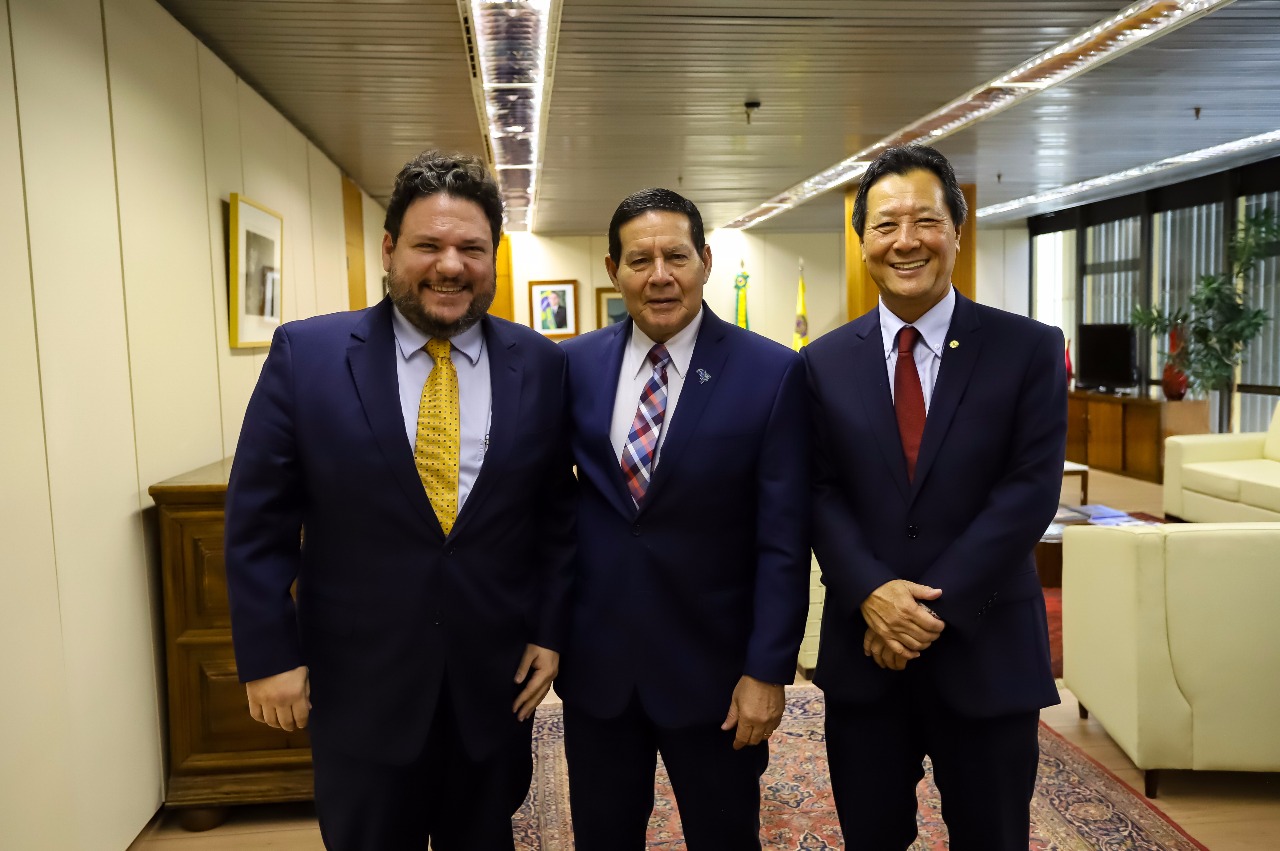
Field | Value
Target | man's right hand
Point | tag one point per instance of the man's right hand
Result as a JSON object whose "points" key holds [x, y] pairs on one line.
{"points": [[282, 701], [894, 613]]}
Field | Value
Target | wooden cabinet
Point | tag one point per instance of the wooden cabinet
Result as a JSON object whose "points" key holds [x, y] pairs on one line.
{"points": [[1125, 434], [218, 755]]}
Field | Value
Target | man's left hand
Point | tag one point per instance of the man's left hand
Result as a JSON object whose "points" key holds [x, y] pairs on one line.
{"points": [[540, 667], [756, 710]]}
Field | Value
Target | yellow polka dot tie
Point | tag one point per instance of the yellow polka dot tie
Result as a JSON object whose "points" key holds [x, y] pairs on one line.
{"points": [[436, 450]]}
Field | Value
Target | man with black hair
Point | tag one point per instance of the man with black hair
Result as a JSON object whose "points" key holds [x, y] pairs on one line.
{"points": [[939, 432], [405, 465], [691, 577]]}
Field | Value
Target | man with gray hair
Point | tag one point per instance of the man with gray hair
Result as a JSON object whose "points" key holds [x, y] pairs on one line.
{"points": [[405, 466]]}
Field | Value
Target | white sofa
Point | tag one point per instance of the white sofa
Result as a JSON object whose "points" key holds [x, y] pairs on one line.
{"points": [[1223, 478], [1171, 641]]}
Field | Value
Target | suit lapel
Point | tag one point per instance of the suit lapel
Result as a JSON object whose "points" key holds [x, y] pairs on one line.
{"points": [[506, 377], [371, 358], [957, 365], [872, 378], [709, 354]]}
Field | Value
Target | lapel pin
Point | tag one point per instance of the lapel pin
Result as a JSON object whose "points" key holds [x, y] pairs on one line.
{"points": [[703, 376], [955, 344]]}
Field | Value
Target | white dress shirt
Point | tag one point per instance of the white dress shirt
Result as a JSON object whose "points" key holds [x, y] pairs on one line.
{"points": [[475, 393], [635, 373], [933, 327]]}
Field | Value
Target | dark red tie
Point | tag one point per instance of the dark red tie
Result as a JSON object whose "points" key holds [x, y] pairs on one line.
{"points": [[908, 398]]}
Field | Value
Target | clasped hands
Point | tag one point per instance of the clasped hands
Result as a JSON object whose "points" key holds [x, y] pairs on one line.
{"points": [[283, 700], [899, 625]]}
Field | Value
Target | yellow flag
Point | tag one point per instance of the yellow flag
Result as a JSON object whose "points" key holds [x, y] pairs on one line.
{"points": [[800, 338]]}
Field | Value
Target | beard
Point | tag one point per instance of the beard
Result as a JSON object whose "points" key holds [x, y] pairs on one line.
{"points": [[405, 297]]}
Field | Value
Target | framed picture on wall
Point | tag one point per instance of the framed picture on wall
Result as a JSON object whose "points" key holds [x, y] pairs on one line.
{"points": [[610, 308], [553, 308], [255, 273]]}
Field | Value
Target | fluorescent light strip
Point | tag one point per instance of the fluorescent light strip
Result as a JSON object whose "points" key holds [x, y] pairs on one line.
{"points": [[526, 31], [1100, 43], [1106, 180]]}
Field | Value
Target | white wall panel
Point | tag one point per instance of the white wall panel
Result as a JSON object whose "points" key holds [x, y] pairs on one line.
{"points": [[224, 173], [773, 266], [164, 229], [535, 258], [1017, 270], [82, 340], [329, 246], [36, 768], [276, 175], [374, 214], [1004, 258]]}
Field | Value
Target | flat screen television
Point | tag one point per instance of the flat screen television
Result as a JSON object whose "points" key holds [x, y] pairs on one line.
{"points": [[1106, 357]]}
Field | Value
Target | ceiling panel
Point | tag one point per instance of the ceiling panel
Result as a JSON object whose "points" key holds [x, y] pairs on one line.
{"points": [[1134, 110], [649, 94], [371, 83], [652, 94]]}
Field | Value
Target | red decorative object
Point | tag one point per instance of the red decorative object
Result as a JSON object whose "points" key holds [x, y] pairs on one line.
{"points": [[1173, 381], [1070, 370]]}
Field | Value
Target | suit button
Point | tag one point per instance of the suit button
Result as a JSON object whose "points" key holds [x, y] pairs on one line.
{"points": [[635, 530], [452, 550], [913, 531]]}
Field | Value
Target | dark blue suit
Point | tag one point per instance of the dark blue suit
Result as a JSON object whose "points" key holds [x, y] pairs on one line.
{"points": [[708, 580], [388, 609], [986, 486]]}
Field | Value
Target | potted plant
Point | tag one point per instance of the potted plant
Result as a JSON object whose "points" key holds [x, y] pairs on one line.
{"points": [[1208, 335]]}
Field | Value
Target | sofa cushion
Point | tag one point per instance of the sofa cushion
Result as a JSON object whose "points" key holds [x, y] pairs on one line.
{"points": [[1254, 482], [1262, 488], [1215, 478]]}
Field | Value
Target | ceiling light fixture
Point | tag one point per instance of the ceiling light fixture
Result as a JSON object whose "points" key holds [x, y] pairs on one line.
{"points": [[1108, 180], [512, 45], [1135, 25]]}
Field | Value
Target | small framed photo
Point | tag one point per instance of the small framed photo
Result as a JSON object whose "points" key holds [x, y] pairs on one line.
{"points": [[553, 308], [610, 308], [256, 280]]}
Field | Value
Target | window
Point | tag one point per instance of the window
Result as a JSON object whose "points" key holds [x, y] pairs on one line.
{"points": [[1096, 262], [1053, 300], [1112, 270], [1260, 366]]}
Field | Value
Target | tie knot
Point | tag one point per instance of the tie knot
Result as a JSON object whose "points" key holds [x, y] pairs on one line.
{"points": [[907, 337], [438, 349], [659, 356]]}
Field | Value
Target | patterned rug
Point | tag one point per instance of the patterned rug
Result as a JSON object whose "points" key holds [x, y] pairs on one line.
{"points": [[1078, 805]]}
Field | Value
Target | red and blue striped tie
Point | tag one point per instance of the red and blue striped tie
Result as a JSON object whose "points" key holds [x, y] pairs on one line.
{"points": [[642, 439]]}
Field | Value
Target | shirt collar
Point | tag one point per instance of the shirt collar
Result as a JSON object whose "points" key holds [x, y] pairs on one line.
{"points": [[932, 326], [680, 347], [410, 339]]}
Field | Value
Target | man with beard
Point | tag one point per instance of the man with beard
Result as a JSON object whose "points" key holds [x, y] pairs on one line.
{"points": [[404, 465]]}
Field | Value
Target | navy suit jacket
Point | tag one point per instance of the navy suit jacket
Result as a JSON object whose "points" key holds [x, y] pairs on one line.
{"points": [[987, 482], [386, 603], [708, 579]]}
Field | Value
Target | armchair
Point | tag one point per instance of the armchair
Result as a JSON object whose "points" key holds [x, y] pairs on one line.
{"points": [[1170, 640]]}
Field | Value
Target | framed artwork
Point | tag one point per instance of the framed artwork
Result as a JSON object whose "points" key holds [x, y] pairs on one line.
{"points": [[255, 273], [610, 308], [553, 308]]}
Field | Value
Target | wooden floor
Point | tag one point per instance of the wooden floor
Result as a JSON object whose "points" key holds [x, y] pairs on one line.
{"points": [[1226, 811]]}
